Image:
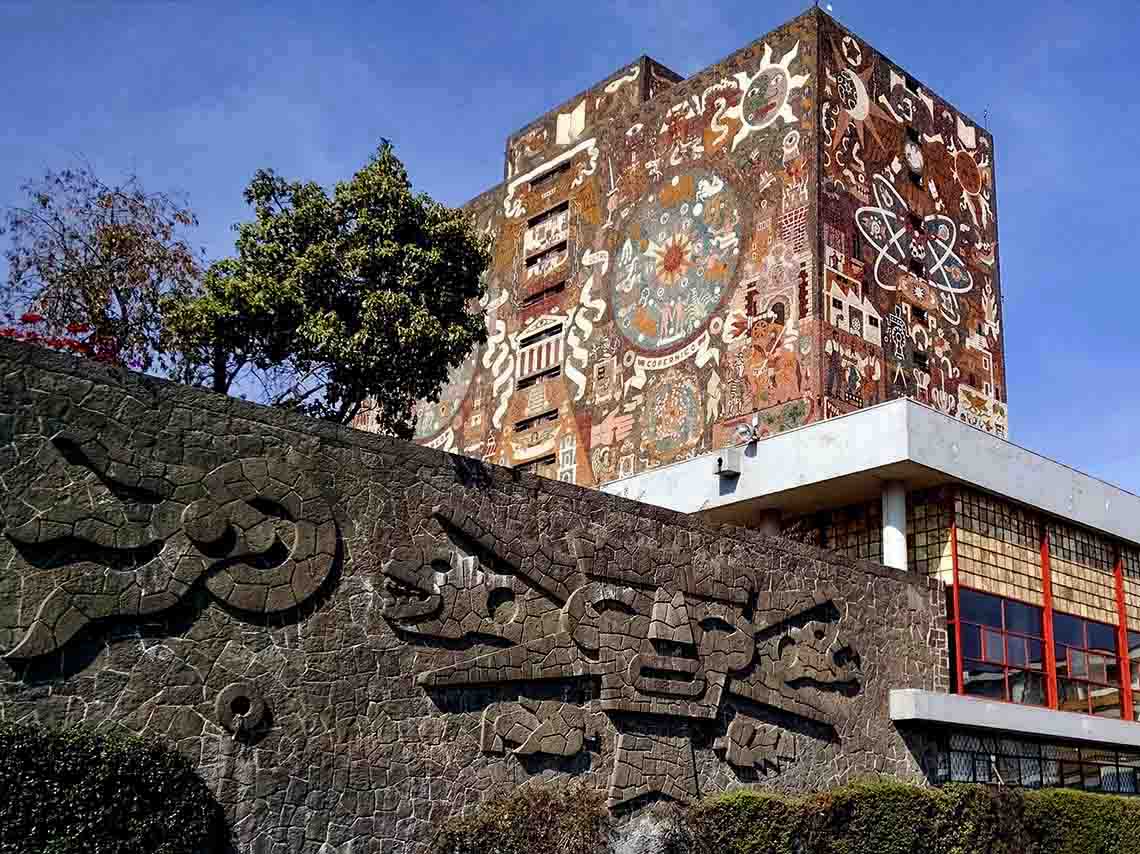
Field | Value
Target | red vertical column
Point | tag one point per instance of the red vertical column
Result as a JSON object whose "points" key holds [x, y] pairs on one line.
{"points": [[958, 675], [1047, 600], [1122, 644]]}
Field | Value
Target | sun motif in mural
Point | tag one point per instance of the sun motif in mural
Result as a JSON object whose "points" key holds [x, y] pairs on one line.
{"points": [[676, 260], [853, 101], [972, 172], [767, 94]]}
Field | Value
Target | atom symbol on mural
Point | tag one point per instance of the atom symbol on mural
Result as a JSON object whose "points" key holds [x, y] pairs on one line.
{"points": [[885, 227]]}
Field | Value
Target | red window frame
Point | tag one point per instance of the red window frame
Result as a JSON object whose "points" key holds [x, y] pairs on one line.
{"points": [[1005, 634], [1066, 654]]}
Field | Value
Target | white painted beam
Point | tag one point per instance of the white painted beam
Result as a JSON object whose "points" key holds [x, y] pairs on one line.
{"points": [[910, 705]]}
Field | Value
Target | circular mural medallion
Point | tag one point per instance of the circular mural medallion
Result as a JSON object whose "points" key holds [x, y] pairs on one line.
{"points": [[766, 97], [672, 419], [432, 418], [676, 259]]}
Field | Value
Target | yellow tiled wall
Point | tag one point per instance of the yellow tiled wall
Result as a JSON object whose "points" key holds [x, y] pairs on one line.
{"points": [[999, 547], [1131, 559], [929, 516], [1081, 569]]}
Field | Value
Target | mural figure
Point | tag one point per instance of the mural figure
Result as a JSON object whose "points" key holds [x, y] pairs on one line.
{"points": [[675, 638]]}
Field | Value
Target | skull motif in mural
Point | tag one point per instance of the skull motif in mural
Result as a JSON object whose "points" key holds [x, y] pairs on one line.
{"points": [[672, 636]]}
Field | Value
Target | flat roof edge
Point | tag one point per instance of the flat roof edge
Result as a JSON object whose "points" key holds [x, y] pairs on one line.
{"points": [[913, 705]]}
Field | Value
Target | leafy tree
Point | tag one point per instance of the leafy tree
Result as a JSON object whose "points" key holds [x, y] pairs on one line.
{"points": [[367, 293], [98, 257]]}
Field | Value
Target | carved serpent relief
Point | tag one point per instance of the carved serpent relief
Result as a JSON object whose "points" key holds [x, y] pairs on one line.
{"points": [[130, 536], [670, 638]]}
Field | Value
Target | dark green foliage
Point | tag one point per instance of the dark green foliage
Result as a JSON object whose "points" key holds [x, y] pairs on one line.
{"points": [[557, 818], [368, 293], [864, 818], [894, 818], [75, 791]]}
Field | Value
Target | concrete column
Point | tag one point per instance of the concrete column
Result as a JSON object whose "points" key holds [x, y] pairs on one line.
{"points": [[894, 524], [769, 522]]}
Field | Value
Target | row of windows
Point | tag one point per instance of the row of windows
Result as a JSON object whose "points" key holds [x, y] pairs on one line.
{"points": [[966, 758], [1004, 656]]}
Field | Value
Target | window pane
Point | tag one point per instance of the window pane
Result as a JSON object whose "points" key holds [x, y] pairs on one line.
{"points": [[1092, 778], [1102, 636], [984, 680], [1078, 664], [1068, 630], [972, 642], [995, 646], [1072, 696], [1036, 654], [980, 608], [1070, 774], [1106, 702], [1061, 653], [1016, 651], [1027, 687], [1023, 618], [1098, 668]]}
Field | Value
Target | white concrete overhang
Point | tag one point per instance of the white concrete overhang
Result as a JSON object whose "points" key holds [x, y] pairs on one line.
{"points": [[909, 705], [845, 460]]}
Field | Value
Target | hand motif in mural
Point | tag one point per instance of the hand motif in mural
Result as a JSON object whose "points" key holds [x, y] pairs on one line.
{"points": [[129, 536], [671, 635]]}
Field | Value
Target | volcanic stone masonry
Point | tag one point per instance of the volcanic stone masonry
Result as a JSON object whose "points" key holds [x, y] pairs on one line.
{"points": [[355, 637]]}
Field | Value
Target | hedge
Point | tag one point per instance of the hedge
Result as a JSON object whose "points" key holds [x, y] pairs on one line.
{"points": [[864, 818], [549, 817], [895, 818], [77, 791]]}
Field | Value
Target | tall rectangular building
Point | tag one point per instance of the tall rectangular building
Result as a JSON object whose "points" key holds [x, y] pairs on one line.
{"points": [[796, 232]]}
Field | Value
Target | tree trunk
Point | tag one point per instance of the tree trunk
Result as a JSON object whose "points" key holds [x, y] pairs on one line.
{"points": [[221, 380]]}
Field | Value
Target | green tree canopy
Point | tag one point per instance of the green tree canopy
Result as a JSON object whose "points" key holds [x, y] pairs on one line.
{"points": [[365, 294]]}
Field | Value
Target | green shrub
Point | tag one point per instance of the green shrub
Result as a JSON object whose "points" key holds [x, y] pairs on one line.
{"points": [[881, 817], [895, 818], [559, 818], [75, 791]]}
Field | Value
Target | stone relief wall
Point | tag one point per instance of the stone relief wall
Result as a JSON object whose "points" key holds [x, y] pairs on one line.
{"points": [[355, 637]]}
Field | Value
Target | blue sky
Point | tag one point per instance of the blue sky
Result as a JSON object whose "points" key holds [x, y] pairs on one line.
{"points": [[195, 96]]}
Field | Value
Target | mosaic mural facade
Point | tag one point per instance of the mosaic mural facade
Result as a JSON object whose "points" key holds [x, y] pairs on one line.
{"points": [[354, 637], [784, 236]]}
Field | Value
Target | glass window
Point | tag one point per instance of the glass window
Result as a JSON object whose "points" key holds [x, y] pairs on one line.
{"points": [[980, 608], [1023, 618], [1033, 764], [1102, 636], [1068, 630], [1002, 648], [1134, 659], [1088, 672]]}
